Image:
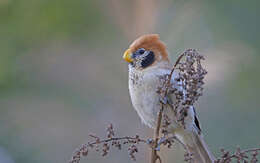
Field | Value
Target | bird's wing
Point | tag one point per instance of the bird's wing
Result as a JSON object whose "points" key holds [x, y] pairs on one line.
{"points": [[192, 118], [190, 135]]}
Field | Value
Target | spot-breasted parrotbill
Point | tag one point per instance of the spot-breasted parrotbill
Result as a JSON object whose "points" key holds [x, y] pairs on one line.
{"points": [[148, 62]]}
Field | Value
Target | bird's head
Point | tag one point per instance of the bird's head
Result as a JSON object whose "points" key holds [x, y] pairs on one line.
{"points": [[146, 51]]}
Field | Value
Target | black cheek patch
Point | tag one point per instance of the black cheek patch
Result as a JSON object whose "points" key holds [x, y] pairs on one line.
{"points": [[148, 60]]}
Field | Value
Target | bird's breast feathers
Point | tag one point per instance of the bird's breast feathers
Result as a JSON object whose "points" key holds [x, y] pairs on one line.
{"points": [[143, 86]]}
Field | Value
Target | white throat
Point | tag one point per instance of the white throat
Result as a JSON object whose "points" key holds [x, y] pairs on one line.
{"points": [[143, 85]]}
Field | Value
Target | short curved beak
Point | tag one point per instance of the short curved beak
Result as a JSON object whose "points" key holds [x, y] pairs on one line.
{"points": [[128, 56]]}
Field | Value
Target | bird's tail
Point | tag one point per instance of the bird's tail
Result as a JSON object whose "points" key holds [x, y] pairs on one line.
{"points": [[195, 145]]}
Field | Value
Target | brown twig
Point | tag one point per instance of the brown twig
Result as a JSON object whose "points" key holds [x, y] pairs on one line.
{"points": [[154, 155], [239, 155], [104, 145], [115, 139]]}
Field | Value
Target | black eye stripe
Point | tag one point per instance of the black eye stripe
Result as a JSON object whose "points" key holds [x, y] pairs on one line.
{"points": [[148, 60], [143, 58]]}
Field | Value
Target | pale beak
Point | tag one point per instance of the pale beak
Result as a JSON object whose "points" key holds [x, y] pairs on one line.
{"points": [[128, 56]]}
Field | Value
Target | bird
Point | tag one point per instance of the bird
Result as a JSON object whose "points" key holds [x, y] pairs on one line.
{"points": [[148, 61]]}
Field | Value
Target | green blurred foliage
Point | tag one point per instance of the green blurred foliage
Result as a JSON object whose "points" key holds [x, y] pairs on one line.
{"points": [[28, 24]]}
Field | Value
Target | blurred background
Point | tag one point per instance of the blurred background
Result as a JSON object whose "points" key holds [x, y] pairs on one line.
{"points": [[62, 75]]}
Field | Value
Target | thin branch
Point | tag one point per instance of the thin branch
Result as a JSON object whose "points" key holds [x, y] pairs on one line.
{"points": [[239, 154], [104, 145], [154, 155], [116, 139]]}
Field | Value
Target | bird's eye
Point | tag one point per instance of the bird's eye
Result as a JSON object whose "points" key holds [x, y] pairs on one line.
{"points": [[141, 51]]}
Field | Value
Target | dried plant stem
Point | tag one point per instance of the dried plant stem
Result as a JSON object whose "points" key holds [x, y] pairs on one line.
{"points": [[174, 67], [154, 155], [115, 139], [236, 155], [104, 145]]}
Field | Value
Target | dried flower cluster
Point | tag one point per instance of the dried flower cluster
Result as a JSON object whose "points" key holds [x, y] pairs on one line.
{"points": [[245, 156], [104, 145], [186, 89], [188, 157], [189, 78]]}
